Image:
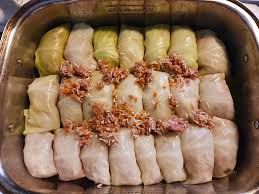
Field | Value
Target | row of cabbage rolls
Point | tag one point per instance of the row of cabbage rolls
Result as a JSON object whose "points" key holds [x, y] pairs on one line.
{"points": [[195, 155]]}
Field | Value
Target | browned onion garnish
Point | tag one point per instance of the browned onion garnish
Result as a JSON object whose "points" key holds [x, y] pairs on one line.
{"points": [[172, 102], [66, 69], [105, 123], [82, 130], [81, 71], [78, 90], [143, 124], [160, 127], [201, 118], [175, 66], [112, 75], [143, 72]]}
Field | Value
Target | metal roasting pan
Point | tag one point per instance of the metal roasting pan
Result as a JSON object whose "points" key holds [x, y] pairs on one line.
{"points": [[233, 22]]}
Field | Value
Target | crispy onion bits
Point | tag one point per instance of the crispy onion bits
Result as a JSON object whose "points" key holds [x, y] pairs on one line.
{"points": [[174, 124], [68, 69], [172, 103], [82, 130], [142, 124], [77, 89], [175, 66], [105, 123], [112, 75], [124, 113], [201, 118], [143, 72]]}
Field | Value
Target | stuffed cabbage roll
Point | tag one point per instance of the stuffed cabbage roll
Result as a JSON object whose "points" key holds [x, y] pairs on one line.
{"points": [[95, 161], [100, 93], [212, 55], [69, 108], [146, 158], [49, 54], [170, 157], [66, 156], [43, 114], [225, 137], [183, 43], [198, 153], [79, 48], [105, 45], [131, 46], [38, 155], [156, 95], [157, 42], [186, 96], [129, 91], [215, 97], [123, 165]]}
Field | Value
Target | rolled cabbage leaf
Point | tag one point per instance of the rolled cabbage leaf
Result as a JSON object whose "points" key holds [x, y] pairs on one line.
{"points": [[49, 54], [99, 95], [131, 46], [146, 158], [95, 161], [198, 153], [225, 137], [156, 95], [66, 156], [69, 108], [215, 97], [105, 45], [170, 157], [79, 48], [186, 96], [123, 165], [38, 155], [43, 114], [212, 54], [130, 92], [157, 42], [183, 44]]}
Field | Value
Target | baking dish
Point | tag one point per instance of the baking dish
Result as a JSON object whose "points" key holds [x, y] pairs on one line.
{"points": [[238, 29]]}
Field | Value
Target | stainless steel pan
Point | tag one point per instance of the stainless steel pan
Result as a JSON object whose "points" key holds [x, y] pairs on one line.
{"points": [[238, 29]]}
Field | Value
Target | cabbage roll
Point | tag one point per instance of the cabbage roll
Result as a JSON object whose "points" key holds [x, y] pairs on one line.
{"points": [[183, 43], [131, 46], [49, 54], [79, 48], [186, 96], [157, 42], [170, 157], [95, 161], [105, 45], [198, 153], [66, 156], [38, 155], [146, 158], [43, 114], [129, 91], [156, 96], [123, 165], [225, 137], [212, 55], [215, 97], [97, 94], [69, 108]]}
